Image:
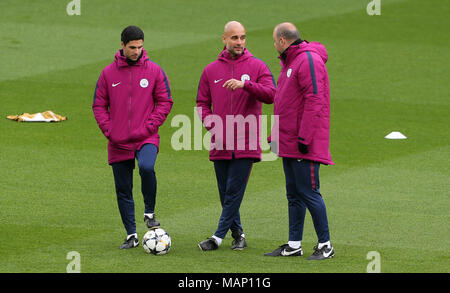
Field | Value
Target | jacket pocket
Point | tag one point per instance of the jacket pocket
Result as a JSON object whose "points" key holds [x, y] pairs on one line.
{"points": [[140, 133]]}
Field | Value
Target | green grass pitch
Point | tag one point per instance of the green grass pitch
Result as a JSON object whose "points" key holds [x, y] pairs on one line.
{"points": [[388, 72]]}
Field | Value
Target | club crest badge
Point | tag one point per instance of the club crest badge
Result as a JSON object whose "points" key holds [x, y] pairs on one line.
{"points": [[144, 83], [289, 72], [245, 77]]}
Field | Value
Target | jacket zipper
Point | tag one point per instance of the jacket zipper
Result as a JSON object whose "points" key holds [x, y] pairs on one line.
{"points": [[231, 92], [231, 101], [129, 103]]}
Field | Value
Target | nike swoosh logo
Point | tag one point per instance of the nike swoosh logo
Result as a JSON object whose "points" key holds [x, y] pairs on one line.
{"points": [[217, 80], [115, 84], [287, 253], [327, 254]]}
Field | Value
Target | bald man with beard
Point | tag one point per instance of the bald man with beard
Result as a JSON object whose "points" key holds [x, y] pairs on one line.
{"points": [[235, 85]]}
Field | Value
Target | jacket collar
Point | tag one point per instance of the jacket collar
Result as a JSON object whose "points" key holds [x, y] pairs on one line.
{"points": [[226, 56], [123, 61], [288, 52]]}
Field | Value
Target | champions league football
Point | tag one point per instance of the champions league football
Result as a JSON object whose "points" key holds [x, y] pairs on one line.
{"points": [[157, 242]]}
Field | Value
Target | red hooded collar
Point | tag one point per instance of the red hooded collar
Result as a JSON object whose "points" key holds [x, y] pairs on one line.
{"points": [[226, 56], [295, 50], [121, 60]]}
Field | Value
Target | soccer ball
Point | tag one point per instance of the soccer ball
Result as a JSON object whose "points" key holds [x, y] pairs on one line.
{"points": [[156, 241]]}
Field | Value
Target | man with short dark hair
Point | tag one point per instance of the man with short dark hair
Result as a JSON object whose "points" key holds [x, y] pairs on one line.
{"points": [[131, 101], [302, 102]]}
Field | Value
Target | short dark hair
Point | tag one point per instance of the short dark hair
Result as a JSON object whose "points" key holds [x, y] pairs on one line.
{"points": [[131, 33]]}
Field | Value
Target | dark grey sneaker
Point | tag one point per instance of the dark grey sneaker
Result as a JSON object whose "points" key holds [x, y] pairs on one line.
{"points": [[130, 243], [285, 250], [325, 252], [239, 242], [208, 244], [152, 223]]}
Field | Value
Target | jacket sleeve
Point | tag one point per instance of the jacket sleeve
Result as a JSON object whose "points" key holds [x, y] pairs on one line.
{"points": [[100, 105], [310, 75], [163, 102], [204, 99], [264, 87]]}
